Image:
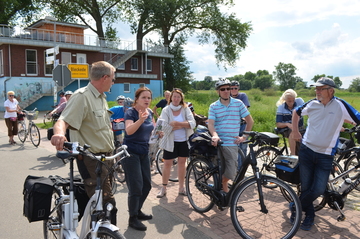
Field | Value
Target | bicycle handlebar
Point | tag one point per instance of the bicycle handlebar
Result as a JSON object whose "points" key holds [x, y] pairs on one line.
{"points": [[72, 149]]}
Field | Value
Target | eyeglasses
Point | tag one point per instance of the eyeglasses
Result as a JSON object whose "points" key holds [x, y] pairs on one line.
{"points": [[11, 95], [224, 89], [321, 89], [113, 80], [233, 88]]}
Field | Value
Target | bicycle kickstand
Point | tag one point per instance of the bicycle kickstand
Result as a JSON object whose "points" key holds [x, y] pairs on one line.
{"points": [[342, 216]]}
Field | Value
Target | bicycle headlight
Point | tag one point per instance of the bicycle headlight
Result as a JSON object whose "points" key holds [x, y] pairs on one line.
{"points": [[109, 207]]}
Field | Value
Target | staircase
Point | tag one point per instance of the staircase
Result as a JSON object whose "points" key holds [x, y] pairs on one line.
{"points": [[27, 102], [116, 61]]}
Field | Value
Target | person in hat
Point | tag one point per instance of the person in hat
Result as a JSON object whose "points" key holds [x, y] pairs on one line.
{"points": [[61, 106], [326, 115], [225, 116]]}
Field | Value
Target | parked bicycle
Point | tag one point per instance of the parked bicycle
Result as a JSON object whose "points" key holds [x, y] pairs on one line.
{"points": [[345, 145], [118, 171], [63, 219], [31, 130], [257, 211], [50, 119]]}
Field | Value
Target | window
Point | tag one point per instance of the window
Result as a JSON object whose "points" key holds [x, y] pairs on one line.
{"points": [[122, 66], [66, 58], [48, 67], [31, 62], [141, 85], [1, 63], [81, 58], [149, 65], [134, 64], [127, 87]]}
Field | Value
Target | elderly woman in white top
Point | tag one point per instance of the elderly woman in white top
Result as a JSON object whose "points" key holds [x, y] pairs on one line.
{"points": [[11, 108], [176, 145]]}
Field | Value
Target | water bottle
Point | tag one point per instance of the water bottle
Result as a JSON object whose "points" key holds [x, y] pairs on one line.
{"points": [[344, 185]]}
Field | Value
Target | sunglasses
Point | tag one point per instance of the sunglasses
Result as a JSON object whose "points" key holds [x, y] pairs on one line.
{"points": [[223, 89], [11, 95], [233, 88]]}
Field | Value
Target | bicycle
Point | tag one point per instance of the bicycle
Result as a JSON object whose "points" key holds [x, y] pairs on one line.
{"points": [[63, 219], [256, 210], [118, 171], [31, 130], [160, 164], [50, 119]]}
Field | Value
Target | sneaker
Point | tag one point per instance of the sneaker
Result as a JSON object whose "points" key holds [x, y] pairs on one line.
{"points": [[162, 193], [293, 212], [307, 223]]}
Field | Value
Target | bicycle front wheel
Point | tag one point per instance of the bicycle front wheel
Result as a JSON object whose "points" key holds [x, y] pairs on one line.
{"points": [[199, 181], [22, 131], [106, 233], [160, 165], [273, 221], [349, 164], [52, 226], [34, 135]]}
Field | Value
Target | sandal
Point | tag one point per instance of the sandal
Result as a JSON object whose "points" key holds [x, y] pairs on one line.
{"points": [[182, 192], [162, 193]]}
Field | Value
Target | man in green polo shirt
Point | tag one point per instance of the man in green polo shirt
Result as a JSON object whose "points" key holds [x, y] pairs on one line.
{"points": [[88, 118]]}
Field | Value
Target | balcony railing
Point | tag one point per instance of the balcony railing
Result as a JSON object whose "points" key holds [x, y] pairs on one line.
{"points": [[76, 38]]}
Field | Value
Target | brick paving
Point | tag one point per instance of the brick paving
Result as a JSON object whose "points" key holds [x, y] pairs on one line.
{"points": [[218, 223]]}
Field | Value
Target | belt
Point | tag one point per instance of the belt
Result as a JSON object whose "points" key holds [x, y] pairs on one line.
{"points": [[104, 153]]}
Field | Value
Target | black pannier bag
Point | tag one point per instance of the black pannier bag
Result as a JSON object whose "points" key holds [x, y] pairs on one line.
{"points": [[287, 168], [200, 144], [37, 198]]}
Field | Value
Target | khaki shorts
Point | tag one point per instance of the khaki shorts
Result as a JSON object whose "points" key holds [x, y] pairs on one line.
{"points": [[229, 157]]}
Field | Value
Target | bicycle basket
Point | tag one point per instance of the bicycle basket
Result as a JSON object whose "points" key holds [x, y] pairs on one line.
{"points": [[32, 115]]}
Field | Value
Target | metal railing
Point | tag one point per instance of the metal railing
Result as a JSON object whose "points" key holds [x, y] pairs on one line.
{"points": [[76, 38]]}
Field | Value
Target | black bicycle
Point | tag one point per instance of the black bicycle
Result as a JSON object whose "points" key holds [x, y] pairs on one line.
{"points": [[257, 211]]}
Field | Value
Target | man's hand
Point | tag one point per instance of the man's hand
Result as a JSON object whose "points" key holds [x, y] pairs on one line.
{"points": [[214, 140], [58, 141]]}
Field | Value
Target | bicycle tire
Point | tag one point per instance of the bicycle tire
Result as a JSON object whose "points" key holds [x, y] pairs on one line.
{"points": [[54, 220], [119, 172], [267, 155], [34, 135], [350, 163], [197, 181], [106, 233], [22, 131], [160, 164], [250, 222]]}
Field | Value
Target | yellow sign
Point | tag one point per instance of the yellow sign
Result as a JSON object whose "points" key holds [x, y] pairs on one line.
{"points": [[79, 71]]}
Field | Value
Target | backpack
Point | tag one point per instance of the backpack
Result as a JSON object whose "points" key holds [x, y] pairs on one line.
{"points": [[37, 198]]}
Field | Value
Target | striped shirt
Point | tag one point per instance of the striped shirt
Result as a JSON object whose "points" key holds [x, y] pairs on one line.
{"points": [[227, 119]]}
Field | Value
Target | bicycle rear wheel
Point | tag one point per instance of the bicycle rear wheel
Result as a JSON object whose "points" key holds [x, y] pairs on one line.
{"points": [[350, 163], [22, 131], [248, 218], [198, 184], [160, 164], [34, 135], [106, 233], [265, 157], [52, 226], [119, 172]]}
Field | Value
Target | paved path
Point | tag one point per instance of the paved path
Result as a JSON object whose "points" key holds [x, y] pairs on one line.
{"points": [[174, 217]]}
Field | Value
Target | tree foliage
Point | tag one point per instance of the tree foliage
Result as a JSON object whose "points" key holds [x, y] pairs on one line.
{"points": [[79, 11], [184, 18], [355, 85], [285, 74], [337, 81], [12, 9]]}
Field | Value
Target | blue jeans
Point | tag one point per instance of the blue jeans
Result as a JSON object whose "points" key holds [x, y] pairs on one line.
{"points": [[242, 147], [315, 169], [138, 180]]}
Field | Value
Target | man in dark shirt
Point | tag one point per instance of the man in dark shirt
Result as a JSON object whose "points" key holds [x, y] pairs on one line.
{"points": [[162, 103]]}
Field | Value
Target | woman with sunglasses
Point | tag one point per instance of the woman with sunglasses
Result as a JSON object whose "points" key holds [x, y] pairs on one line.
{"points": [[11, 108]]}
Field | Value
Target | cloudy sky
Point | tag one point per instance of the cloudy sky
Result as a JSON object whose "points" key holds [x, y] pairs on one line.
{"points": [[317, 37]]}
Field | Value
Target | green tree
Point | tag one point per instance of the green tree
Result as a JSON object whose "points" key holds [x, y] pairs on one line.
{"points": [[12, 9], [250, 76], [355, 85], [285, 74], [337, 81], [186, 18], [263, 82]]}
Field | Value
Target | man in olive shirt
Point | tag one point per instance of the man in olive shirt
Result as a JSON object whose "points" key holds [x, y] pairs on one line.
{"points": [[88, 118]]}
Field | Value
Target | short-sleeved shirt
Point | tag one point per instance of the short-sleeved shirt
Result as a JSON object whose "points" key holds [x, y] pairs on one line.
{"points": [[118, 113], [243, 97], [12, 106], [325, 122], [284, 114], [138, 142], [89, 118], [227, 119], [162, 104]]}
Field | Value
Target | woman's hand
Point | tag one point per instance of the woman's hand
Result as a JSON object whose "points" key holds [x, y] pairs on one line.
{"points": [[143, 115]]}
